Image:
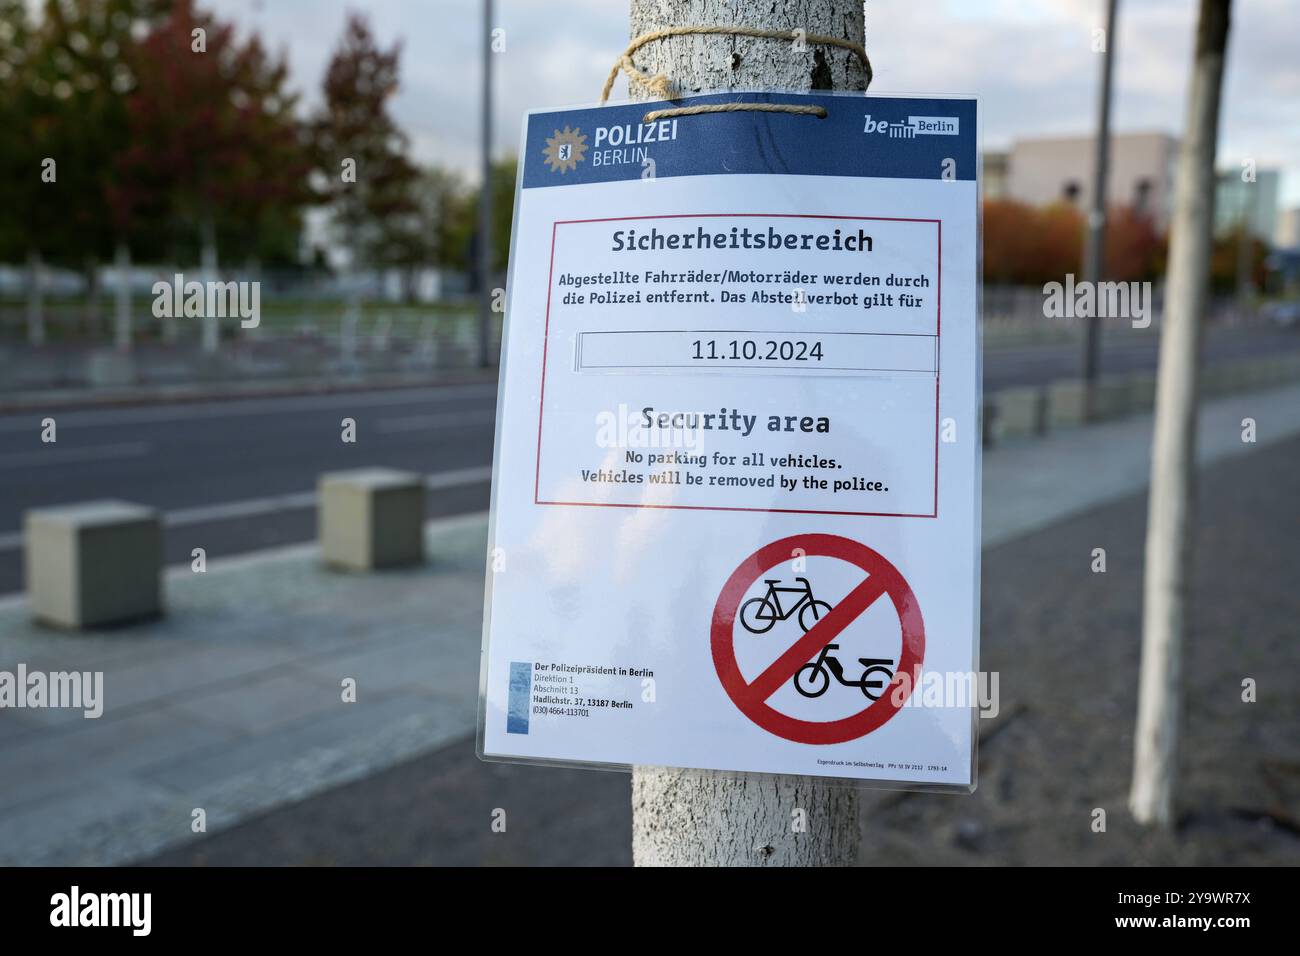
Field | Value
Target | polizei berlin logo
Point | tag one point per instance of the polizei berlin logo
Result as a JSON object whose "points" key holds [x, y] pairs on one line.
{"points": [[565, 150]]}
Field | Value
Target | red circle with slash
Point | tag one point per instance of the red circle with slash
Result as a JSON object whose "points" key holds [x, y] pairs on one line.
{"points": [[883, 580]]}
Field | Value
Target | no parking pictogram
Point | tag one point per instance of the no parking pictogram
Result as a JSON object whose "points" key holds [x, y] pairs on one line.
{"points": [[883, 580]]}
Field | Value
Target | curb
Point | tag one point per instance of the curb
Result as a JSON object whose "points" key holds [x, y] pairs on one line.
{"points": [[1031, 411], [231, 390]]}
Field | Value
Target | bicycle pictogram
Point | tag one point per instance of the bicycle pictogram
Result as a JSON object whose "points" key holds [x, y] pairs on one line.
{"points": [[758, 615]]}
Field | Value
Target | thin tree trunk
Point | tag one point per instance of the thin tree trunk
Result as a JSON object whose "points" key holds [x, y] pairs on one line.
{"points": [[35, 299], [1167, 581], [705, 818], [208, 266], [122, 297]]}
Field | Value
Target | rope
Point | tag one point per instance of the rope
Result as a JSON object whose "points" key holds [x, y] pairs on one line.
{"points": [[660, 86]]}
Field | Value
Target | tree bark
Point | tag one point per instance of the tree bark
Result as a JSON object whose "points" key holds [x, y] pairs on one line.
{"points": [[706, 818], [1166, 584], [708, 64]]}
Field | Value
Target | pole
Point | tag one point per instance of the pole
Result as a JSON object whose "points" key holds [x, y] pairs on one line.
{"points": [[1095, 251], [707, 818], [485, 201], [1170, 513]]}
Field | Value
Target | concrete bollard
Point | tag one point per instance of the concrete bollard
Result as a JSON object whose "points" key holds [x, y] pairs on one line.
{"points": [[1067, 403], [93, 564], [371, 518], [1019, 412]]}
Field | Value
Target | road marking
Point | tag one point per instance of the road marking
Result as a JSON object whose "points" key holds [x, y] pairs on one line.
{"points": [[233, 408], [64, 456], [258, 507]]}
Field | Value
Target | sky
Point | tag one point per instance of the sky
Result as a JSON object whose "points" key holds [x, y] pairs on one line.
{"points": [[1030, 62]]}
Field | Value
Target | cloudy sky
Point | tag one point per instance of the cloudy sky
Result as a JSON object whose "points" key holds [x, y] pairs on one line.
{"points": [[1029, 61]]}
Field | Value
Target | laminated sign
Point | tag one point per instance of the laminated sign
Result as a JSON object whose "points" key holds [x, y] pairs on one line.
{"points": [[735, 499]]}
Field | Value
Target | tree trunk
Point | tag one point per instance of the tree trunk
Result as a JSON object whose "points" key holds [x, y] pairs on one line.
{"points": [[122, 297], [35, 299], [1173, 460], [208, 266], [706, 818]]}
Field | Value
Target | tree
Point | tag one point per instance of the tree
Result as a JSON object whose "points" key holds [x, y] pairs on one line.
{"points": [[215, 146], [1135, 250], [1170, 512], [362, 154], [702, 817], [1029, 245], [447, 208], [19, 162], [76, 82]]}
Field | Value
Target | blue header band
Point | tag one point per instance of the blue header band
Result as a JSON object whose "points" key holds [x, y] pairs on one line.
{"points": [[871, 136]]}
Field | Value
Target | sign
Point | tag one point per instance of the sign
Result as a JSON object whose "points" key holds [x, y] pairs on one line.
{"points": [[819, 625], [735, 496]]}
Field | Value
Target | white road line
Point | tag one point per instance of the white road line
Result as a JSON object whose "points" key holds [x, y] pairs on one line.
{"points": [[64, 456], [232, 408], [256, 507]]}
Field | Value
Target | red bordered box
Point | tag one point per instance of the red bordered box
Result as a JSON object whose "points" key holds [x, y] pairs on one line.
{"points": [[938, 330]]}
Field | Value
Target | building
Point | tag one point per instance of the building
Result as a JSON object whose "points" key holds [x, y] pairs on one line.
{"points": [[995, 174], [1287, 235], [1047, 170]]}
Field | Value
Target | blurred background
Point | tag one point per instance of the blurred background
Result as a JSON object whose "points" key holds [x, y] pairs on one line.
{"points": [[141, 140]]}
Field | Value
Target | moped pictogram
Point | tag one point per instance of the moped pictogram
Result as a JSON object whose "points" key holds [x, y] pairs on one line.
{"points": [[812, 679]]}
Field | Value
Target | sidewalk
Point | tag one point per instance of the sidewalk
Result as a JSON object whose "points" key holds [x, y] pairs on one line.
{"points": [[233, 703]]}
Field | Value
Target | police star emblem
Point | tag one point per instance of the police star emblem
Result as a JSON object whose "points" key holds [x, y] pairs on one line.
{"points": [[565, 150]]}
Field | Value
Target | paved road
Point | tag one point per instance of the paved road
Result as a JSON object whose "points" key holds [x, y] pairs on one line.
{"points": [[1065, 642], [221, 468], [1038, 365]]}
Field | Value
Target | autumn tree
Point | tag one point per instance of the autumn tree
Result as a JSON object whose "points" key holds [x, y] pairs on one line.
{"points": [[369, 182], [65, 78], [214, 134]]}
